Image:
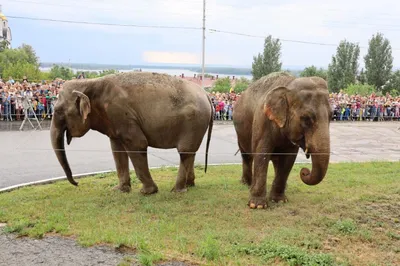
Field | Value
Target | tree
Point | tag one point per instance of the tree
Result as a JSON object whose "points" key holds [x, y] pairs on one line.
{"points": [[30, 54], [269, 61], [91, 74], [362, 77], [20, 69], [222, 85], [62, 72], [393, 86], [3, 45], [342, 70], [108, 72], [378, 61], [241, 85], [361, 89], [313, 71], [21, 59]]}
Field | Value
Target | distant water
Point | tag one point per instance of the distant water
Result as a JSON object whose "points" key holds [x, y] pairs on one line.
{"points": [[172, 72]]}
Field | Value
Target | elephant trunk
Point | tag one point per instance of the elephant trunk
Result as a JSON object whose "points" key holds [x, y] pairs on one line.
{"points": [[319, 147], [57, 141]]}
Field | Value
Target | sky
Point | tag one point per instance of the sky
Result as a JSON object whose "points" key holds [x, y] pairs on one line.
{"points": [[289, 20]]}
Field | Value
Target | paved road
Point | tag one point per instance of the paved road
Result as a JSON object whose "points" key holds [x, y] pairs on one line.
{"points": [[27, 156]]}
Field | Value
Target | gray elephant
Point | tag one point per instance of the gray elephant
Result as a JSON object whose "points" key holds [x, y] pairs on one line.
{"points": [[136, 110], [275, 116]]}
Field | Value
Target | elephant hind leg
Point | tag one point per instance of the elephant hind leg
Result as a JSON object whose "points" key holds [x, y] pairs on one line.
{"points": [[190, 176], [187, 148], [185, 176]]}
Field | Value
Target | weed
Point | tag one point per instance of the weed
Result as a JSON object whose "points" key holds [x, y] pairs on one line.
{"points": [[346, 226], [149, 258], [269, 250], [393, 236], [209, 248]]}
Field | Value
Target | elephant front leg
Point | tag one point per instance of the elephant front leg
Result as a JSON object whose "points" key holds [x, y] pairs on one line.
{"points": [[137, 151], [283, 165], [244, 144], [247, 173], [122, 164], [258, 189]]}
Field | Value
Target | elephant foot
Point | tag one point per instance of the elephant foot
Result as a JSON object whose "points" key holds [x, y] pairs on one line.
{"points": [[149, 190], [278, 198], [179, 190], [245, 181], [123, 188], [190, 183], [257, 203]]}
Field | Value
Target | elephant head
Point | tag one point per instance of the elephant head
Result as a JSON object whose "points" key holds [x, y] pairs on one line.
{"points": [[71, 117], [302, 112]]}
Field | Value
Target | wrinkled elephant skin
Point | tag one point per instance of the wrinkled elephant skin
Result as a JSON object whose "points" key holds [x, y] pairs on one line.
{"points": [[136, 110], [275, 116]]}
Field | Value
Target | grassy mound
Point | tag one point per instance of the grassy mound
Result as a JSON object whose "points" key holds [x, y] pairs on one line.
{"points": [[351, 218]]}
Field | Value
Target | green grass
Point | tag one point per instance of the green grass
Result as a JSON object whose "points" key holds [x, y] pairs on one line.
{"points": [[351, 218]]}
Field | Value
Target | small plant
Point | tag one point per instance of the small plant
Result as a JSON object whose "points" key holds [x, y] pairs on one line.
{"points": [[19, 227], [312, 244], [365, 235], [209, 248], [198, 166], [345, 226], [393, 236], [292, 255], [127, 261], [134, 179], [149, 258]]}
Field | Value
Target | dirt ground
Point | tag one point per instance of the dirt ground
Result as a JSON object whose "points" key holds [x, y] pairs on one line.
{"points": [[54, 250]]}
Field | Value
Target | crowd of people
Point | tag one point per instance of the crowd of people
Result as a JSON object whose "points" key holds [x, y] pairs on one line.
{"points": [[344, 107], [366, 108], [43, 96]]}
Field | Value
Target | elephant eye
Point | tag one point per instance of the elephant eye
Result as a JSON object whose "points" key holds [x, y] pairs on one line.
{"points": [[306, 121]]}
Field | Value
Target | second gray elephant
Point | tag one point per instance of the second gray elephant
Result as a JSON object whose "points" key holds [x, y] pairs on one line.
{"points": [[136, 110]]}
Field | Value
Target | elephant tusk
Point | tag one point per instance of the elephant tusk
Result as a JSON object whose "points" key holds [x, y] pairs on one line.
{"points": [[306, 151]]}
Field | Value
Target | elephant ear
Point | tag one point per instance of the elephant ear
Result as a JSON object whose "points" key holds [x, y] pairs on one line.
{"points": [[276, 105], [83, 104]]}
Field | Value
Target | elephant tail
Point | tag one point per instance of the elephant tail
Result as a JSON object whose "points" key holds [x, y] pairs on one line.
{"points": [[210, 126]]}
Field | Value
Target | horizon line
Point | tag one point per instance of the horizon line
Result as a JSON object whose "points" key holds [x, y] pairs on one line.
{"points": [[168, 65]]}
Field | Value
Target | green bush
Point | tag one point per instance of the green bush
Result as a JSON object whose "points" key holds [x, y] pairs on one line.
{"points": [[361, 89]]}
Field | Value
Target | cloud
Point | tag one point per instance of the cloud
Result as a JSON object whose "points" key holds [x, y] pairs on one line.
{"points": [[170, 57], [308, 20]]}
